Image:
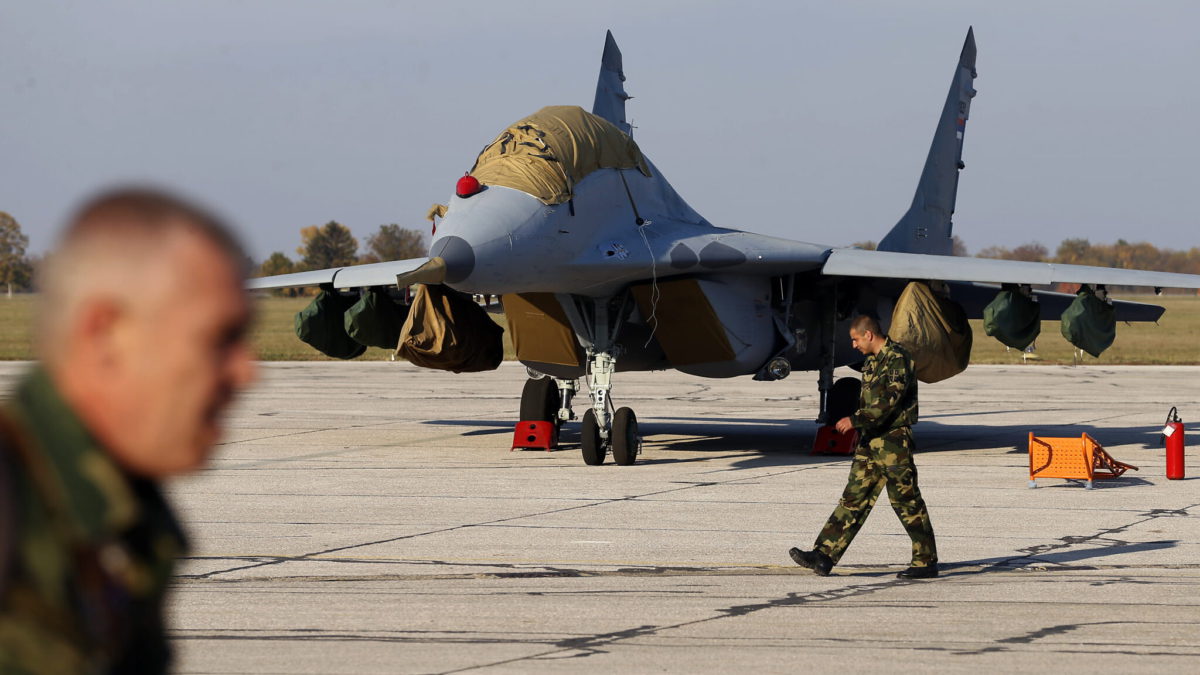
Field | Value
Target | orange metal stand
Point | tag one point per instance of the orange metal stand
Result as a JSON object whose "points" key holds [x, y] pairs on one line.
{"points": [[1071, 458]]}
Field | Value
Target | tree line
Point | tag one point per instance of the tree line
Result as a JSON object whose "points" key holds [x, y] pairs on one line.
{"points": [[1123, 254], [16, 266], [333, 245], [321, 247]]}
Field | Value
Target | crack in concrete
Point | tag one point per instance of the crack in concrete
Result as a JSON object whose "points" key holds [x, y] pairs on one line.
{"points": [[605, 502], [597, 644]]}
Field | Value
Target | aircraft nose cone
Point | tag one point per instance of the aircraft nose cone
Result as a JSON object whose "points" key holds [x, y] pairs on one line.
{"points": [[459, 257]]}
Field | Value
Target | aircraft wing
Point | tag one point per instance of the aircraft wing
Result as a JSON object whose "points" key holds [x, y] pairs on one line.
{"points": [[853, 262], [391, 273]]}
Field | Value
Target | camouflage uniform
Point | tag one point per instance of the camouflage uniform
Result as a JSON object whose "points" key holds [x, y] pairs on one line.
{"points": [[884, 456], [86, 551]]}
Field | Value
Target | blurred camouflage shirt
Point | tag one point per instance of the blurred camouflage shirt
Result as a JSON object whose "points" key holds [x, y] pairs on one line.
{"points": [[86, 551], [889, 392]]}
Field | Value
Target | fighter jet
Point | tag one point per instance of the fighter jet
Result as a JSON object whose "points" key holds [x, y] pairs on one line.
{"points": [[602, 267]]}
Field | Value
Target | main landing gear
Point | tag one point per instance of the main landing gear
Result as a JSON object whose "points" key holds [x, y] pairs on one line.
{"points": [[540, 402]]}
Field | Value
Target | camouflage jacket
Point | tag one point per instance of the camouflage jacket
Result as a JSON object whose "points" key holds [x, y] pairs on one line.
{"points": [[86, 551], [889, 392]]}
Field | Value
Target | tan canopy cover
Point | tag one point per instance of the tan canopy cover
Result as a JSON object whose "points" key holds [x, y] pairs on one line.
{"points": [[550, 151], [934, 330]]}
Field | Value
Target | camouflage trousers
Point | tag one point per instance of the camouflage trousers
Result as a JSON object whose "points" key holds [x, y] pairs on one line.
{"points": [[884, 460]]}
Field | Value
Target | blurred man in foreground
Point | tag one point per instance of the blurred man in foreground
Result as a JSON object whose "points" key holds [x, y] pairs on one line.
{"points": [[141, 332]]}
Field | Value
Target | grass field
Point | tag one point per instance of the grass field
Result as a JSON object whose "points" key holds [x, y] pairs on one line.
{"points": [[1172, 341]]}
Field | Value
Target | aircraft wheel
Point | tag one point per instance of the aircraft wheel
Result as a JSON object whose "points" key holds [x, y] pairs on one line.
{"points": [[843, 398], [540, 402], [624, 437], [590, 441]]}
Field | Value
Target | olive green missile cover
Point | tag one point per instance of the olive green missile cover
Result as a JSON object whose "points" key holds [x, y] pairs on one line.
{"points": [[321, 325], [934, 330], [1089, 323], [375, 320], [1013, 318], [446, 330], [550, 151]]}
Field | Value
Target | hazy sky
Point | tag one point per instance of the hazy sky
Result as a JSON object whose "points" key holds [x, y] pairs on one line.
{"points": [[807, 120]]}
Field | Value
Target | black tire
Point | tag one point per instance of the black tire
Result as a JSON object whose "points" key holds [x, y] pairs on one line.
{"points": [[540, 400], [843, 398], [624, 437], [589, 440]]}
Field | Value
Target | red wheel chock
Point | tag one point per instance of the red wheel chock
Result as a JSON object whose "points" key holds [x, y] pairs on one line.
{"points": [[534, 435], [829, 441]]}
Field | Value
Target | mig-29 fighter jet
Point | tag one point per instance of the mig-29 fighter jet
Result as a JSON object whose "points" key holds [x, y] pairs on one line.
{"points": [[602, 267]]}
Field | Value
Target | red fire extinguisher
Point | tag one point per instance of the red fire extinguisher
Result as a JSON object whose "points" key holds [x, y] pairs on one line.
{"points": [[1173, 438]]}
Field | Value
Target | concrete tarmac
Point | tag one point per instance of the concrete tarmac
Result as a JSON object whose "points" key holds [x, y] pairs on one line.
{"points": [[370, 518]]}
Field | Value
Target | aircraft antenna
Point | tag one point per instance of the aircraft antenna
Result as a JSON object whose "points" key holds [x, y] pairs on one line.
{"points": [[637, 217]]}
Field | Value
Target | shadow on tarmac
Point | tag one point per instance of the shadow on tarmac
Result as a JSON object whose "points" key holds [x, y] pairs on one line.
{"points": [[788, 442], [1065, 557], [1026, 559]]}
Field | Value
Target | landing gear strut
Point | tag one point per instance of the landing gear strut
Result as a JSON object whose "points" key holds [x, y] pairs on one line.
{"points": [[602, 430]]}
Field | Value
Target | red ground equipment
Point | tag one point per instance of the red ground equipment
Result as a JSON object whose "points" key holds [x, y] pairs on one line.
{"points": [[1173, 438], [829, 441], [535, 434]]}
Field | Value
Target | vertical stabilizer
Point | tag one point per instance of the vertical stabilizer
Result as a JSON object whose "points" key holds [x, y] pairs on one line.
{"points": [[927, 226], [610, 89]]}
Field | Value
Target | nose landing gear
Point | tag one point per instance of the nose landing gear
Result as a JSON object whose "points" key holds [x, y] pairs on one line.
{"points": [[590, 441], [545, 399], [626, 444], [600, 431], [596, 322]]}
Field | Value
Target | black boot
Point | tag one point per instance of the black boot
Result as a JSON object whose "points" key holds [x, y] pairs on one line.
{"points": [[927, 572], [813, 560]]}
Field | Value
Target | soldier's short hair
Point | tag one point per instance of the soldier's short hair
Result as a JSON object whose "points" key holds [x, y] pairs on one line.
{"points": [[110, 242], [865, 322], [149, 213]]}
